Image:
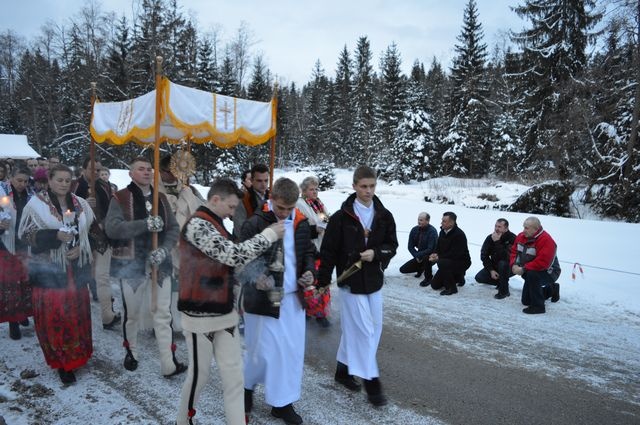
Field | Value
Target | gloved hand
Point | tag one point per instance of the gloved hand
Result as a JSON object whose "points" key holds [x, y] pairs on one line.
{"points": [[157, 256], [155, 223], [265, 283], [306, 279]]}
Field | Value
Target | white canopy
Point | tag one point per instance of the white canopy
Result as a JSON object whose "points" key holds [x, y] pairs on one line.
{"points": [[16, 146], [185, 113]]}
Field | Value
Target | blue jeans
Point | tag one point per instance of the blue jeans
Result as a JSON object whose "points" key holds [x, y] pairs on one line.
{"points": [[537, 288]]}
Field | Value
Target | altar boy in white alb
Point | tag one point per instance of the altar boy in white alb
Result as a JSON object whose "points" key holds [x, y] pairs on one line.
{"points": [[272, 300], [363, 230]]}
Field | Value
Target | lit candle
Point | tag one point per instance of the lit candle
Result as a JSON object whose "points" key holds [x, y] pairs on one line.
{"points": [[68, 217], [5, 202]]}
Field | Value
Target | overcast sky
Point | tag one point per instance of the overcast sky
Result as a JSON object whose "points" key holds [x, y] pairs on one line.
{"points": [[293, 34]]}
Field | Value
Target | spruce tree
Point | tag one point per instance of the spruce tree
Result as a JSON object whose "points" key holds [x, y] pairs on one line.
{"points": [[467, 141], [554, 58], [391, 105], [363, 135], [344, 113]]}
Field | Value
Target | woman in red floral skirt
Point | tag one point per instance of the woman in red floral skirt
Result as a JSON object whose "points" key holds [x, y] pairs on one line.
{"points": [[55, 223], [15, 292]]}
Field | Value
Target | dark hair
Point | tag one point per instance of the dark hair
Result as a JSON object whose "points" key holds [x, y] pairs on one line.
{"points": [[246, 173], [139, 159], [364, 172], [21, 169], [259, 168], [285, 189], [451, 215], [59, 167], [86, 162], [224, 187], [505, 221]]}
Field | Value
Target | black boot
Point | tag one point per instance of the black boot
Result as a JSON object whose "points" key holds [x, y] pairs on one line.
{"points": [[130, 363], [94, 289], [287, 414], [248, 400], [14, 330], [374, 392], [67, 377], [25, 322], [342, 377]]}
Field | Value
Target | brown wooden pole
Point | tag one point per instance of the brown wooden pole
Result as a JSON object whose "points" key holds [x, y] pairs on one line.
{"points": [[272, 153], [92, 148], [156, 179]]}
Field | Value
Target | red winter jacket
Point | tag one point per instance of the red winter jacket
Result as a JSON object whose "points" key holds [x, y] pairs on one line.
{"points": [[537, 253]]}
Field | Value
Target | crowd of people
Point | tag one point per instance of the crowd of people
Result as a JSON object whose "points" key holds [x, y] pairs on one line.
{"points": [[64, 240]]}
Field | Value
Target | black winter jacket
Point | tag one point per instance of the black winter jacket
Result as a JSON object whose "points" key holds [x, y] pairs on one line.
{"points": [[254, 300], [494, 251], [453, 246], [344, 241]]}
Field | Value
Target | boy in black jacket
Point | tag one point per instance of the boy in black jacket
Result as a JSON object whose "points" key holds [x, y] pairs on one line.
{"points": [[362, 231]]}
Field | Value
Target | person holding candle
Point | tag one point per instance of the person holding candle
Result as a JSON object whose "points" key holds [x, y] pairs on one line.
{"points": [[15, 291], [55, 224], [312, 207]]}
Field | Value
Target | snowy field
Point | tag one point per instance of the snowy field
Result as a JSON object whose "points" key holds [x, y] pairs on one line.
{"points": [[591, 336]]}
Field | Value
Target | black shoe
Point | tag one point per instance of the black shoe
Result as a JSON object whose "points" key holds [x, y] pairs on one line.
{"points": [[342, 377], [180, 368], [425, 282], [130, 363], [66, 377], [418, 274], [461, 284], [109, 326], [14, 330], [287, 414], [449, 291], [555, 292], [349, 382], [248, 400], [323, 322], [533, 310], [374, 392], [24, 322], [500, 296]]}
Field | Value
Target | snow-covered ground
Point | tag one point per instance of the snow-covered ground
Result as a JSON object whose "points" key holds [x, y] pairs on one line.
{"points": [[592, 336]]}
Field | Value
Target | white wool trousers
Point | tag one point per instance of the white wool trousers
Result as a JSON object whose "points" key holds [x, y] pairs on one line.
{"points": [[135, 308], [224, 346], [101, 268]]}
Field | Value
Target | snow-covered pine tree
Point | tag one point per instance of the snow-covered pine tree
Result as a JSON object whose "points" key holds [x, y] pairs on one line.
{"points": [[344, 113], [413, 146], [363, 134], [115, 81], [437, 90], [205, 71], [467, 139], [390, 106], [554, 57], [259, 87], [228, 84], [315, 142]]}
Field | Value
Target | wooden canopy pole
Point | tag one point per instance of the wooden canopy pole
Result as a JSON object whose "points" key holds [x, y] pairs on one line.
{"points": [[92, 149], [156, 179], [272, 153]]}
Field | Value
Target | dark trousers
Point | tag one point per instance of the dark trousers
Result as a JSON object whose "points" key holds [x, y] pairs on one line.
{"points": [[413, 266], [502, 282], [537, 288], [449, 273]]}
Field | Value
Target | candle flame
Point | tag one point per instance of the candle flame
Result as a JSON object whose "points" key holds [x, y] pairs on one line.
{"points": [[4, 201]]}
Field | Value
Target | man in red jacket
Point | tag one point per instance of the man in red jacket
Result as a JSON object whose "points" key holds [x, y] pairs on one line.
{"points": [[533, 257]]}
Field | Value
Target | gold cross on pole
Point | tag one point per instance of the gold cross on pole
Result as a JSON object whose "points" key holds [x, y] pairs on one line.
{"points": [[226, 110]]}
